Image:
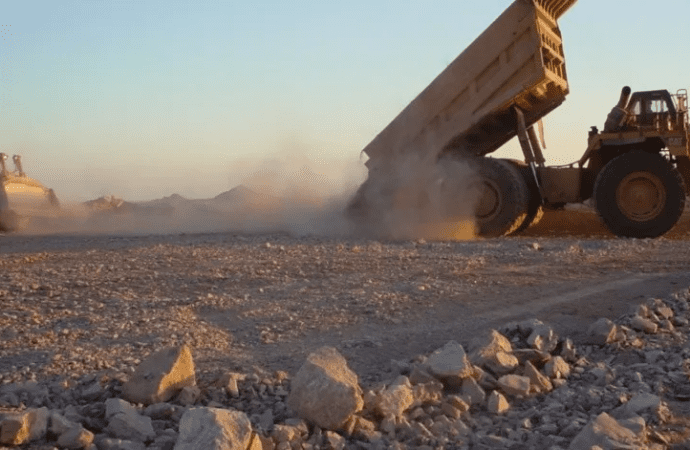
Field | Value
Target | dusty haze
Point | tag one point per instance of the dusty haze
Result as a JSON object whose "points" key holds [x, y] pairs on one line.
{"points": [[297, 196]]}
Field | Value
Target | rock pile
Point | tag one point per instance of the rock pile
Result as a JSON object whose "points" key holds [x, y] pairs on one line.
{"points": [[519, 387]]}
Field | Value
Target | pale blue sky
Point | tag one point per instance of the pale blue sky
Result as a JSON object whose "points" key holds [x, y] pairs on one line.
{"points": [[148, 98]]}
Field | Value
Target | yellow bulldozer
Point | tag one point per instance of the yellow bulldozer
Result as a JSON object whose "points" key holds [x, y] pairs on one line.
{"points": [[21, 196]]}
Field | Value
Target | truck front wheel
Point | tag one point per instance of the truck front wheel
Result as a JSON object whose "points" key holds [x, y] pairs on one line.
{"points": [[503, 202], [639, 194]]}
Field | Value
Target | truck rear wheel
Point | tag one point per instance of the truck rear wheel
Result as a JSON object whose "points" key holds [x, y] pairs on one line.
{"points": [[9, 221], [504, 198], [535, 210], [639, 195]]}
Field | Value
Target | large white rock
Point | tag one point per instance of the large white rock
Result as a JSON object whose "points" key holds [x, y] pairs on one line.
{"points": [[497, 403], [514, 384], [450, 363], [76, 438], [19, 427], [325, 391], [637, 404], [14, 428], [539, 382], [605, 431], [557, 368], [472, 392], [124, 422], [396, 398], [483, 348], [214, 429], [161, 376], [601, 332]]}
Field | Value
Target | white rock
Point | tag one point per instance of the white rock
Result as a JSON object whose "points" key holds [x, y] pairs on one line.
{"points": [[334, 440], [539, 381], [497, 403], [557, 368], [214, 429], [542, 337], [189, 395], [325, 391], [76, 438], [485, 347], [601, 332], [14, 428], [641, 324], [59, 424], [514, 384], [450, 363], [161, 376], [637, 404], [124, 422], [396, 398], [430, 392], [472, 392], [604, 431]]}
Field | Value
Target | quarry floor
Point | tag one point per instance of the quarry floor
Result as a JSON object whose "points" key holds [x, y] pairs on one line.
{"points": [[83, 303]]}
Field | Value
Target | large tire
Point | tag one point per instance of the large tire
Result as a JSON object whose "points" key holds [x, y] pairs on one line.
{"points": [[9, 221], [639, 195], [535, 210], [504, 198]]}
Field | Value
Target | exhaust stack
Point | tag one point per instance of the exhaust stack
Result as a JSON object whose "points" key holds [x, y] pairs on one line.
{"points": [[616, 118]]}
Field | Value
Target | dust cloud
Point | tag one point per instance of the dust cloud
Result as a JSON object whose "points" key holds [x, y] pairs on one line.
{"points": [[296, 196], [416, 199]]}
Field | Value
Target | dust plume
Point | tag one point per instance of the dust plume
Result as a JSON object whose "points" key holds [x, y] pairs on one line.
{"points": [[414, 199], [418, 197], [296, 196]]}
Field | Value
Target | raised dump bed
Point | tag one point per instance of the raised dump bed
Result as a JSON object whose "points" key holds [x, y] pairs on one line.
{"points": [[517, 61]]}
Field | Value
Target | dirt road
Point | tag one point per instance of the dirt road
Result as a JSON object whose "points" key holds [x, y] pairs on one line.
{"points": [[74, 304]]}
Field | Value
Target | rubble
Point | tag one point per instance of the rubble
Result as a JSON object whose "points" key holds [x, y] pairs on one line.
{"points": [[523, 386]]}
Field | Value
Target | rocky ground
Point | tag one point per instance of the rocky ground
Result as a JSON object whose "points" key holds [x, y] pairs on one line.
{"points": [[81, 312]]}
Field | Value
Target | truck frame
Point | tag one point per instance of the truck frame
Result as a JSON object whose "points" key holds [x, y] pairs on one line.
{"points": [[637, 170]]}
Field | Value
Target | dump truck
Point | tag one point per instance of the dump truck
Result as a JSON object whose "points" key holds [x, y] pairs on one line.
{"points": [[636, 171], [21, 196]]}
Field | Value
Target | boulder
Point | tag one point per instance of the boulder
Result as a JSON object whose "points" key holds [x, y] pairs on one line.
{"points": [[59, 424], [640, 323], [325, 391], [484, 348], [15, 428], [124, 422], [214, 429], [76, 438], [450, 364], [497, 403], [161, 376], [19, 427], [189, 395], [606, 433], [539, 382], [636, 405], [395, 399], [472, 393], [557, 368], [430, 392], [601, 332], [512, 384]]}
